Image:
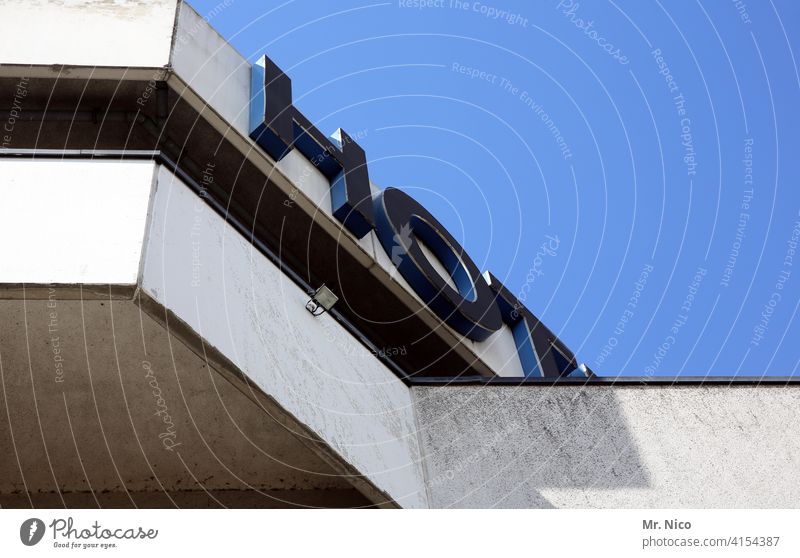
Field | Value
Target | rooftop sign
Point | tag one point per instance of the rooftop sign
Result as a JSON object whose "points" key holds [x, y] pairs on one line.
{"points": [[477, 306]]}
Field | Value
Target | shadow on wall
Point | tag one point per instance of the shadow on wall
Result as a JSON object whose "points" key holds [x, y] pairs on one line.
{"points": [[498, 447], [611, 447]]}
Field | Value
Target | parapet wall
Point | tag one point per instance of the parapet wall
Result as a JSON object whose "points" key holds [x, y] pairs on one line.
{"points": [[611, 447]]}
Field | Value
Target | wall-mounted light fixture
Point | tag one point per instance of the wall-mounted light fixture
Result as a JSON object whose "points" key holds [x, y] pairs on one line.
{"points": [[321, 301]]}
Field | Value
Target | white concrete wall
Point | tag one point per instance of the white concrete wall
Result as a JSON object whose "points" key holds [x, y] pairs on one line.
{"points": [[87, 32], [80, 222], [611, 447], [499, 352], [198, 267], [212, 67]]}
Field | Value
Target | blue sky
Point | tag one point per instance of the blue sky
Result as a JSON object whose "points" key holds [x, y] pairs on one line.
{"points": [[653, 147]]}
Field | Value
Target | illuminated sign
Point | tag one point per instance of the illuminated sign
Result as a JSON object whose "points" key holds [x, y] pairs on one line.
{"points": [[477, 306]]}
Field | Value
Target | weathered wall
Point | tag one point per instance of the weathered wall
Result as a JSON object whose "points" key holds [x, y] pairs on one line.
{"points": [[214, 280], [123, 32], [211, 66], [100, 406], [594, 447], [600, 446]]}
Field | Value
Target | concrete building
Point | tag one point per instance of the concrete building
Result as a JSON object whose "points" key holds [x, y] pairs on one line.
{"points": [[160, 247]]}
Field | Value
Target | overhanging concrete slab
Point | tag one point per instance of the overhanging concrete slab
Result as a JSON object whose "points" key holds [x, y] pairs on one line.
{"points": [[102, 406]]}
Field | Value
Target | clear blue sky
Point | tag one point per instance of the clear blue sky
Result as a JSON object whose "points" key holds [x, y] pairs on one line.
{"points": [[518, 121]]}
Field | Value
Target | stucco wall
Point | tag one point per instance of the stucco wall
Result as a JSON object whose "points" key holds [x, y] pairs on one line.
{"points": [[214, 280], [123, 32], [211, 66], [593, 447]]}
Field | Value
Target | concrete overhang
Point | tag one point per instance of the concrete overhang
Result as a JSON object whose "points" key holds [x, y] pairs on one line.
{"points": [[151, 356], [105, 407]]}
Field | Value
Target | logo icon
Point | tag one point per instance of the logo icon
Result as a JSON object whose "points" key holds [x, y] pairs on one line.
{"points": [[400, 248], [31, 531]]}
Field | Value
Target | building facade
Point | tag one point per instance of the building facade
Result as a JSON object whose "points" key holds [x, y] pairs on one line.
{"points": [[168, 220]]}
